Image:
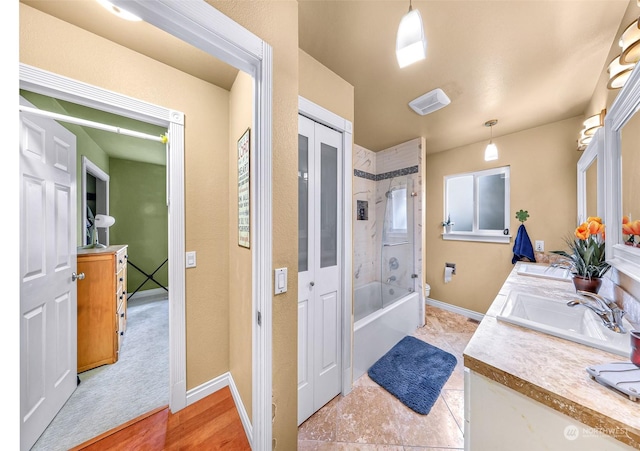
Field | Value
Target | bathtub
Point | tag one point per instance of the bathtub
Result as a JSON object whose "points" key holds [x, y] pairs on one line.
{"points": [[379, 324]]}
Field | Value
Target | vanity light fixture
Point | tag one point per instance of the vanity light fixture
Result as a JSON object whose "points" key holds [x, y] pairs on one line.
{"points": [[592, 123], [618, 73], [123, 14], [491, 152], [584, 139], [630, 43], [411, 44]]}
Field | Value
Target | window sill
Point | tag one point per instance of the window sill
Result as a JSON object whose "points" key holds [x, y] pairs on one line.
{"points": [[461, 236]]}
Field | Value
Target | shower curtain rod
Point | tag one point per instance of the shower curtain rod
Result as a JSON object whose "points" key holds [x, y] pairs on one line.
{"points": [[98, 125]]}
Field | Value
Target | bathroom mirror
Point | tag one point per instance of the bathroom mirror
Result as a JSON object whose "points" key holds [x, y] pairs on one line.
{"points": [[622, 166], [590, 177]]}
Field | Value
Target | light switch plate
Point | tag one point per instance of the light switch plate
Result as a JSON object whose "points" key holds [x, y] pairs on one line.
{"points": [[280, 280], [539, 245], [191, 259]]}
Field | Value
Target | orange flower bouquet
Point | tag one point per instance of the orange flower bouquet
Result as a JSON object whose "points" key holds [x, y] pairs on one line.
{"points": [[631, 229], [586, 255]]}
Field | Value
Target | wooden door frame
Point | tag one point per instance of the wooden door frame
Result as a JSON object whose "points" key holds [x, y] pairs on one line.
{"points": [[325, 117]]}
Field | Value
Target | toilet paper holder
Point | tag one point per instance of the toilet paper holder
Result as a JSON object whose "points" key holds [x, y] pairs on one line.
{"points": [[451, 265]]}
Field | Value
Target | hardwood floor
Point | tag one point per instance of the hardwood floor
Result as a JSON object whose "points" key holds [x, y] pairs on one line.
{"points": [[212, 423]]}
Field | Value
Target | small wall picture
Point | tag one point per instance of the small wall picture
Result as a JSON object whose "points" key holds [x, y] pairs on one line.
{"points": [[244, 204], [363, 210]]}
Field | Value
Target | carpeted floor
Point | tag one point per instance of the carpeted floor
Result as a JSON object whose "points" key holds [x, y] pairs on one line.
{"points": [[114, 394]]}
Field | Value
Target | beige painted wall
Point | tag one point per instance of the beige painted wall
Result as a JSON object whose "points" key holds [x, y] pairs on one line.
{"points": [[276, 22], [56, 46], [543, 182], [240, 310], [323, 87]]}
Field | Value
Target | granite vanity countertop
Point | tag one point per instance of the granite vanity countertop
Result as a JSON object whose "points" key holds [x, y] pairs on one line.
{"points": [[551, 370]]}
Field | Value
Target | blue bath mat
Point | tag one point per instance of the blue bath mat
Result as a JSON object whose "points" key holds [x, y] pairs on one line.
{"points": [[414, 372]]}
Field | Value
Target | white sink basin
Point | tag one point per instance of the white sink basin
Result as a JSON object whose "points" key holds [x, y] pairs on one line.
{"points": [[555, 317], [545, 271]]}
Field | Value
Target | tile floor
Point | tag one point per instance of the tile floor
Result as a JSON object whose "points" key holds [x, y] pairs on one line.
{"points": [[371, 419]]}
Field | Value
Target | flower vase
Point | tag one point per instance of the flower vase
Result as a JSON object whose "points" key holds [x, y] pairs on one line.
{"points": [[591, 285]]}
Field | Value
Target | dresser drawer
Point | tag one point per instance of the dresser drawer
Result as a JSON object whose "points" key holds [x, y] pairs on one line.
{"points": [[121, 260], [121, 321]]}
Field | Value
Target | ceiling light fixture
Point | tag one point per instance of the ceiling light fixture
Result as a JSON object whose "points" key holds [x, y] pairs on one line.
{"points": [[123, 14], [411, 44], [618, 73], [491, 152], [630, 43]]}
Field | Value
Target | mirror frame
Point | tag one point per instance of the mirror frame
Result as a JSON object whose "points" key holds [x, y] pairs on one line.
{"points": [[625, 259], [593, 153]]}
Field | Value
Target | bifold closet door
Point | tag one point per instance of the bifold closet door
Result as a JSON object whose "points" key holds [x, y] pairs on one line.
{"points": [[319, 242]]}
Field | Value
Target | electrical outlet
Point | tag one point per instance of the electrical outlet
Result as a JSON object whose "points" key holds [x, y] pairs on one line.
{"points": [[539, 245]]}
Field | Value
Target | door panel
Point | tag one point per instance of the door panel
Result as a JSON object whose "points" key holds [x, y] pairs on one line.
{"points": [[319, 305], [47, 260]]}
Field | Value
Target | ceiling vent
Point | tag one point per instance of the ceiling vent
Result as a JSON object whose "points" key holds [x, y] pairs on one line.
{"points": [[430, 102]]}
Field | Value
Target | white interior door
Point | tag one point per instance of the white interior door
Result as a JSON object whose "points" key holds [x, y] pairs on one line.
{"points": [[48, 335], [319, 296]]}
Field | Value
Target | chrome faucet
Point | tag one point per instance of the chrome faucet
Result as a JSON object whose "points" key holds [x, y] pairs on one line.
{"points": [[391, 279], [607, 310]]}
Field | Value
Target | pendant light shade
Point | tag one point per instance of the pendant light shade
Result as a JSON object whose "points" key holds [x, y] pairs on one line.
{"points": [[411, 44], [491, 152]]}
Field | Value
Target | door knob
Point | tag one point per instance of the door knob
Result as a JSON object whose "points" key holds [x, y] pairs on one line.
{"points": [[312, 283], [75, 276]]}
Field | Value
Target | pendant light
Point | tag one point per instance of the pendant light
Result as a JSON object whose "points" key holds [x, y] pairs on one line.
{"points": [[491, 152], [411, 44]]}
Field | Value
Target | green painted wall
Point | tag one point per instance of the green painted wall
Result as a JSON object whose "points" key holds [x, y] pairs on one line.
{"points": [[85, 146], [137, 198]]}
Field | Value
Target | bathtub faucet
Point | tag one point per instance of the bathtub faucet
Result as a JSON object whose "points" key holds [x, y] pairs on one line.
{"points": [[391, 279]]}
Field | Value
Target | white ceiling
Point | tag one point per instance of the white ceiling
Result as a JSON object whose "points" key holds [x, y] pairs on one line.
{"points": [[525, 63]]}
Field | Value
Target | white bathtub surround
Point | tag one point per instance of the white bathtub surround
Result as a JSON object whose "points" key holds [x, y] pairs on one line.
{"points": [[365, 269], [380, 322], [373, 175]]}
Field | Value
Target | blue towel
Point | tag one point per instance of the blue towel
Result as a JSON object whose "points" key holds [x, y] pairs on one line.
{"points": [[522, 248]]}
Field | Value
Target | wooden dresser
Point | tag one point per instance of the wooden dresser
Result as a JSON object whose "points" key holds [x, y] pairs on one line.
{"points": [[102, 305]]}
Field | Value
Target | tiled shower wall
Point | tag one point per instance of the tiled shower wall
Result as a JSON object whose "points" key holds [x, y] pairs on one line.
{"points": [[373, 173]]}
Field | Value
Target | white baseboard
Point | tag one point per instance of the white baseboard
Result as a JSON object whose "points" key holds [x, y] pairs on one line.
{"points": [[212, 386], [454, 309]]}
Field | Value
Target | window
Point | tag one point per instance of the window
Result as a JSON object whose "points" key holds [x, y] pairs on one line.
{"points": [[398, 201], [478, 205]]}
